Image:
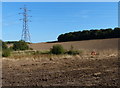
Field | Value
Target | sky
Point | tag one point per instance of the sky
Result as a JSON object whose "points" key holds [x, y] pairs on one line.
{"points": [[50, 19]]}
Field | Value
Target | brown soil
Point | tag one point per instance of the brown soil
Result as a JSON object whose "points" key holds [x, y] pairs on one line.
{"points": [[64, 71], [101, 44]]}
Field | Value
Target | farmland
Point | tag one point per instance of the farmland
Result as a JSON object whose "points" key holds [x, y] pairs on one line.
{"points": [[65, 70]]}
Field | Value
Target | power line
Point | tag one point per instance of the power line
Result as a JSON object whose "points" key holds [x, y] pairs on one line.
{"points": [[25, 31]]}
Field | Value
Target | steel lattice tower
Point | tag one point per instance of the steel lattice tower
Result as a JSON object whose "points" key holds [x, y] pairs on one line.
{"points": [[25, 31]]}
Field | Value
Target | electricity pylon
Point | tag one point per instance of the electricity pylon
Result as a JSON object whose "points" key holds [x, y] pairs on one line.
{"points": [[25, 31]]}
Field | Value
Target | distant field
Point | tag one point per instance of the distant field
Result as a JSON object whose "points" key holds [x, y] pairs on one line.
{"points": [[101, 44]]}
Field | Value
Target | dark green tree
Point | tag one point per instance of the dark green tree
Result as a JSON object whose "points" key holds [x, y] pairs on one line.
{"points": [[57, 49], [5, 50], [4, 45], [20, 45], [90, 34]]}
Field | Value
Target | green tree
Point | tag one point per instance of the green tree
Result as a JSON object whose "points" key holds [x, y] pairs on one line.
{"points": [[5, 50], [20, 45], [90, 34], [57, 49], [4, 45]]}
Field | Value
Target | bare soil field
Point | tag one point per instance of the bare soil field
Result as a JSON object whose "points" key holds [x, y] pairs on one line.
{"points": [[62, 70], [65, 70], [101, 44]]}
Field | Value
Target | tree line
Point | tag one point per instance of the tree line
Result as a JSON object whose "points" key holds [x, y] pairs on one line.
{"points": [[90, 34]]}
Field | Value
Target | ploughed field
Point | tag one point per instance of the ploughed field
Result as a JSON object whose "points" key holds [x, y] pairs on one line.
{"points": [[62, 70], [65, 70]]}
